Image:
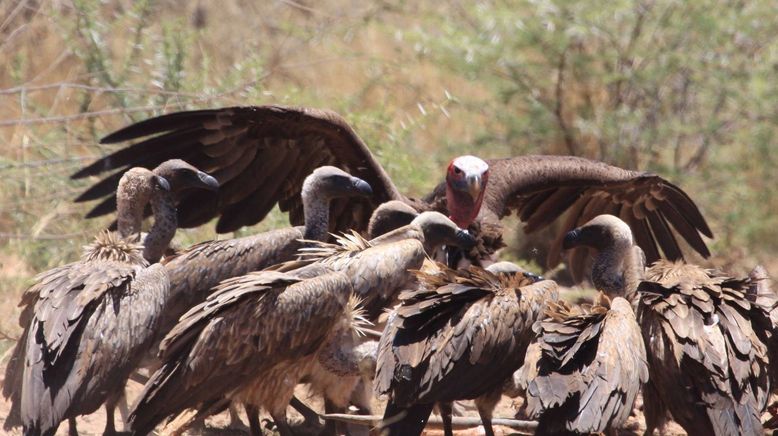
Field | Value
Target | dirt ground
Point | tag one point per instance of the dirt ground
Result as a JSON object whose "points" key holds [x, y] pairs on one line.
{"points": [[217, 425]]}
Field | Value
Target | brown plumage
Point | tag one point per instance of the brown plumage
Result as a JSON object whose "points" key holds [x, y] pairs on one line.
{"points": [[460, 335], [705, 339], [261, 154], [90, 325], [199, 268], [135, 191], [588, 368], [266, 327]]}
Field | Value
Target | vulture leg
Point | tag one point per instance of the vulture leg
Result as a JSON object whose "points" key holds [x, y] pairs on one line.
{"points": [[331, 428], [485, 405], [310, 415], [279, 417], [124, 409], [110, 409], [402, 421], [235, 421], [445, 415], [252, 412], [72, 429]]}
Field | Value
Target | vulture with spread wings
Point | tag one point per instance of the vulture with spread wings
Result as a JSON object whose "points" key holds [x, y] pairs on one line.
{"points": [[261, 154]]}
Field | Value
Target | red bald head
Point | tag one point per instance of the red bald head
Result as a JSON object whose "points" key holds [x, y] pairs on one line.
{"points": [[466, 180]]}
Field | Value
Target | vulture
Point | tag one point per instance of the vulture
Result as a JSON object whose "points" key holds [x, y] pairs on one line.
{"points": [[201, 267], [260, 155], [586, 368], [256, 336], [93, 320], [706, 335], [459, 335], [133, 195]]}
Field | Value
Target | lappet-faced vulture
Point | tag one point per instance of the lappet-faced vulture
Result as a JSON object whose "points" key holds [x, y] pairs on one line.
{"points": [[274, 323], [458, 336], [260, 154], [706, 336], [93, 320]]}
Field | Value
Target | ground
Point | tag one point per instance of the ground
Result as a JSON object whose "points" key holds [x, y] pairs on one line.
{"points": [[94, 424]]}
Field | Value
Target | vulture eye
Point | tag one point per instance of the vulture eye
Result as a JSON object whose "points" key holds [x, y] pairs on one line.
{"points": [[457, 170]]}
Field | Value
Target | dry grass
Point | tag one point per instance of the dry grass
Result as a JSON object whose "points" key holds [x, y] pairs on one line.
{"points": [[401, 73]]}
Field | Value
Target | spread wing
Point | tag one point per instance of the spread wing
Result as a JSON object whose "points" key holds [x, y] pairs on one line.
{"points": [[539, 189], [588, 371], [447, 333], [705, 348], [259, 154], [247, 325]]}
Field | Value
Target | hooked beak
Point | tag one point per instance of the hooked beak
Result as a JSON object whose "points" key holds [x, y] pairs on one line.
{"points": [[163, 183], [208, 182], [465, 240], [474, 186], [362, 187], [571, 239]]}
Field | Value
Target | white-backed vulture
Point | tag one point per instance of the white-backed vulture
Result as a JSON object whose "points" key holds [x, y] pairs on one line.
{"points": [[458, 336], [93, 320], [199, 268], [260, 155], [134, 193], [255, 336], [705, 333], [585, 370]]}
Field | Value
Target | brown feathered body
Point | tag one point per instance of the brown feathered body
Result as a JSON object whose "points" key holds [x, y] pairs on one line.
{"points": [[92, 322], [264, 322], [586, 368], [196, 270], [460, 335], [706, 347]]}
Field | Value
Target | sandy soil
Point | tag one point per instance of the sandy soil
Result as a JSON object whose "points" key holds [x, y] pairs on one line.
{"points": [[217, 425]]}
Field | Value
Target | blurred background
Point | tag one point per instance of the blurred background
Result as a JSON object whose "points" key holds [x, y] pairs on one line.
{"points": [[686, 89]]}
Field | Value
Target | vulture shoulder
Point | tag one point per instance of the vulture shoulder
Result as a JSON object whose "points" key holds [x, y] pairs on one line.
{"points": [[588, 369], [259, 154], [248, 323], [458, 323], [706, 347], [539, 189]]}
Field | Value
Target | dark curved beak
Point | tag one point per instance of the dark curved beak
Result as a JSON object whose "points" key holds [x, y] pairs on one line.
{"points": [[362, 187], [207, 181], [163, 183], [571, 239], [534, 277], [465, 240]]}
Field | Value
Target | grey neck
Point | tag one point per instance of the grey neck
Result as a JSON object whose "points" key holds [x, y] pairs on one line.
{"points": [[614, 270], [164, 228], [129, 215], [316, 209]]}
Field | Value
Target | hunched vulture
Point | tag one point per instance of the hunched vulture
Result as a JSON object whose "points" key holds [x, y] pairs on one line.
{"points": [[92, 320], [706, 335]]}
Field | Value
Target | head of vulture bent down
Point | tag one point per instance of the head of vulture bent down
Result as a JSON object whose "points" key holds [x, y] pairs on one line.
{"points": [[466, 180]]}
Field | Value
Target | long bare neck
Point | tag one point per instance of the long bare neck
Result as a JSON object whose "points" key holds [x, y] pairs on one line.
{"points": [[129, 212], [164, 228], [616, 270], [316, 209]]}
